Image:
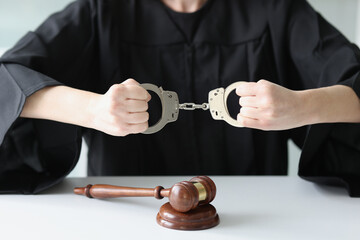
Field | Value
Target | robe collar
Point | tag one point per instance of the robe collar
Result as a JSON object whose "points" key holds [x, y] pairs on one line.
{"points": [[224, 22]]}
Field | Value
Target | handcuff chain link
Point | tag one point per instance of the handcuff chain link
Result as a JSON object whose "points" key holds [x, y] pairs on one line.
{"points": [[193, 106]]}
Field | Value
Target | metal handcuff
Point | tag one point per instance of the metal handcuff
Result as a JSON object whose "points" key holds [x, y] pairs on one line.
{"points": [[171, 106]]}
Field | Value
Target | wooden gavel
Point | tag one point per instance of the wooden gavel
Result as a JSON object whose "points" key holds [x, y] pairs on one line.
{"points": [[183, 196]]}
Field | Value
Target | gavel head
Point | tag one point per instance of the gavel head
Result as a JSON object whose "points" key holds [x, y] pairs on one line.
{"points": [[187, 195]]}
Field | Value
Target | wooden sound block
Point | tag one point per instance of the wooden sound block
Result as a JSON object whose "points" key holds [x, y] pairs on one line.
{"points": [[202, 217]]}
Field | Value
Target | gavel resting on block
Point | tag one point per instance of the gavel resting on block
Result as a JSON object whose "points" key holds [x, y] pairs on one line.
{"points": [[188, 207]]}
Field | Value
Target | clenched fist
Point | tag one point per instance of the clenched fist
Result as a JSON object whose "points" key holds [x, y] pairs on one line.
{"points": [[268, 106], [122, 110]]}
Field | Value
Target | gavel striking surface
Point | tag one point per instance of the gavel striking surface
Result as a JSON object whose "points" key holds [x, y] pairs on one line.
{"points": [[200, 218]]}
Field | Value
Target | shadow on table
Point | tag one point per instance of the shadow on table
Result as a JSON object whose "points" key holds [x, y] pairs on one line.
{"points": [[64, 187], [331, 190], [140, 202], [234, 221]]}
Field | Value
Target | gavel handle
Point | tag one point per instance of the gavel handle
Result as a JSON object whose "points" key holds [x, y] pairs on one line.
{"points": [[111, 191]]}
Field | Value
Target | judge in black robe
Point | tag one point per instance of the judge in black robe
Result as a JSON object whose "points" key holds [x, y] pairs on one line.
{"points": [[93, 44]]}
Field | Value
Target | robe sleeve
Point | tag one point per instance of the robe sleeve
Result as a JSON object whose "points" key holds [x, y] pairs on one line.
{"points": [[36, 154], [321, 56]]}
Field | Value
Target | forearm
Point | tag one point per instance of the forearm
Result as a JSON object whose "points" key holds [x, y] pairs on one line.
{"points": [[268, 106], [62, 104], [122, 110], [330, 104]]}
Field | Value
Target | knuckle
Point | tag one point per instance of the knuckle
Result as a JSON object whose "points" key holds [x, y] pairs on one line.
{"points": [[113, 106], [241, 101], [132, 81], [114, 87], [125, 88], [144, 127], [116, 91], [271, 114], [140, 117], [123, 129], [241, 120], [136, 91], [146, 116], [265, 87], [143, 93], [138, 128], [242, 111], [129, 81], [238, 90], [146, 106], [245, 123], [122, 90], [262, 82], [117, 88]]}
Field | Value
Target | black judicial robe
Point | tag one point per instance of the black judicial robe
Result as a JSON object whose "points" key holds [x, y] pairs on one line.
{"points": [[93, 44]]}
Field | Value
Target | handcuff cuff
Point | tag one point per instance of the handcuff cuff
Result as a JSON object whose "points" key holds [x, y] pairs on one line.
{"points": [[217, 104]]}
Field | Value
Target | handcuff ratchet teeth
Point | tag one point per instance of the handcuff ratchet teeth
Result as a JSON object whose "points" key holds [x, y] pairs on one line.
{"points": [[171, 107]]}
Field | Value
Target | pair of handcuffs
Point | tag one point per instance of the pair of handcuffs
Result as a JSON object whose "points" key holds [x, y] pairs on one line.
{"points": [[217, 104]]}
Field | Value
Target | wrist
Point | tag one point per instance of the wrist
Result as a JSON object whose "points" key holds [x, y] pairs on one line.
{"points": [[91, 111], [309, 107]]}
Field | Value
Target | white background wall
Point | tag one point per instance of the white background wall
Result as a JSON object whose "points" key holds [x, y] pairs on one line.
{"points": [[19, 16]]}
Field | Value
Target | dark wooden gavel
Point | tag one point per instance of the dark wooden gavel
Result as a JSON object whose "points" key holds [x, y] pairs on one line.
{"points": [[183, 196]]}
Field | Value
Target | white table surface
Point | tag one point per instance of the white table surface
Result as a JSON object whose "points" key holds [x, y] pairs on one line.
{"points": [[249, 208]]}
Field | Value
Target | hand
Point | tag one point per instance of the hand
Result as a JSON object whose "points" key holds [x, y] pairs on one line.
{"points": [[268, 106], [122, 110]]}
